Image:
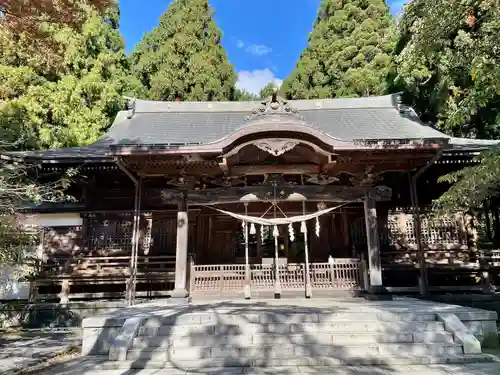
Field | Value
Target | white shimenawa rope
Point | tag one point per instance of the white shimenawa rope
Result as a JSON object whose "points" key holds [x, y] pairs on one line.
{"points": [[277, 221]]}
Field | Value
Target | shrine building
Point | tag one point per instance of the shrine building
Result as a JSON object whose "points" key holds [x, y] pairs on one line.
{"points": [[243, 198]]}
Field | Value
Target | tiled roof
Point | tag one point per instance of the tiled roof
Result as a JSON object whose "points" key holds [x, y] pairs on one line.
{"points": [[205, 122], [153, 123]]}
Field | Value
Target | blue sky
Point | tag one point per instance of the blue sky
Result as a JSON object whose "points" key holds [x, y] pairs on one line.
{"points": [[263, 39]]}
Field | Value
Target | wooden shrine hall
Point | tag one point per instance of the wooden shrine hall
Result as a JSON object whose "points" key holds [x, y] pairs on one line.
{"points": [[315, 196]]}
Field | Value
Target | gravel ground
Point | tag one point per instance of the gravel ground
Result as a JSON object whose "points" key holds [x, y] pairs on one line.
{"points": [[24, 351]]}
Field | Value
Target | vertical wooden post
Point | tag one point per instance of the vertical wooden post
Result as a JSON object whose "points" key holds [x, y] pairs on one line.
{"points": [[486, 282], [192, 275], [247, 289], [180, 290], [277, 282], [364, 274], [259, 243], [424, 290], [221, 277], [135, 241], [333, 277], [423, 281], [376, 286], [130, 284], [306, 254], [64, 296]]}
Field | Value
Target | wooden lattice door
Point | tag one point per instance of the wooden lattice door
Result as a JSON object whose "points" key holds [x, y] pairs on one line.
{"points": [[222, 247], [163, 236]]}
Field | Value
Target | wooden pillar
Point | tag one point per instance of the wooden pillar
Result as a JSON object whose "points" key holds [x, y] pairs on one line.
{"points": [[247, 287], [64, 296], [131, 285], [373, 246], [181, 251], [303, 229], [423, 281]]}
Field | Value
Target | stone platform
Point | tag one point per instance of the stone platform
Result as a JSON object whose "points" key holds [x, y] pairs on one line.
{"points": [[224, 334]]}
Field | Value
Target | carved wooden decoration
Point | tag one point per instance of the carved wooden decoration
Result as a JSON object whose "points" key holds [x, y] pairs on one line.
{"points": [[273, 105], [327, 193], [321, 180], [367, 178], [276, 147]]}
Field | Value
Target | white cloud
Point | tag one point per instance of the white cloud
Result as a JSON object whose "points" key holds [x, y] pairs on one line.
{"points": [[258, 49], [253, 81], [240, 44]]}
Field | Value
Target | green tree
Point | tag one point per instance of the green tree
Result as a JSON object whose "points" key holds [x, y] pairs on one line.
{"points": [[70, 96], [30, 17], [349, 52], [183, 58], [18, 187], [448, 63], [243, 95], [448, 60], [268, 90]]}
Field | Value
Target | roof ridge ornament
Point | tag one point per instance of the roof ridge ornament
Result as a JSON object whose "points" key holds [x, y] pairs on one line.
{"points": [[130, 106], [273, 105]]}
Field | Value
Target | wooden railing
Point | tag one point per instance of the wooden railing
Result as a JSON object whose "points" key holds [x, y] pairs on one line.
{"points": [[106, 272], [105, 267], [448, 270], [443, 257], [343, 274]]}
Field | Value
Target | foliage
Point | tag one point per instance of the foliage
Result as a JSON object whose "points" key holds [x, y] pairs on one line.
{"points": [[71, 95], [18, 188], [349, 52], [448, 63], [471, 186], [243, 95], [268, 90], [28, 16], [59, 89], [182, 58]]}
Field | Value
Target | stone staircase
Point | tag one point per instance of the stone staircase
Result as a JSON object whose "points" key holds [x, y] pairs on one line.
{"points": [[258, 336]]}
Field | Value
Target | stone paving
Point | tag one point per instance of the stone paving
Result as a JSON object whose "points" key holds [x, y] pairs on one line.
{"points": [[82, 368], [29, 347], [21, 349]]}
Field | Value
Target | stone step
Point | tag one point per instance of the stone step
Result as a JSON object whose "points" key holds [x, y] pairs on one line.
{"points": [[150, 329], [260, 352], [182, 341], [220, 365], [287, 317]]}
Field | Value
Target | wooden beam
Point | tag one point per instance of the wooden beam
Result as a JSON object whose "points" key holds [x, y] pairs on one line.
{"points": [[249, 170], [329, 193]]}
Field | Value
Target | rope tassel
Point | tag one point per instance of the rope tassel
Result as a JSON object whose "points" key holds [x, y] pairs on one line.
{"points": [[303, 228], [252, 229], [276, 232]]}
